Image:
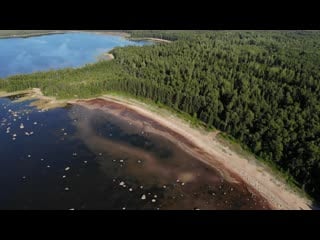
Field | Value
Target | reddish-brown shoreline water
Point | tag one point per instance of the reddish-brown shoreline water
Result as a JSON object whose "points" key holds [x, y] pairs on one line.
{"points": [[211, 183]]}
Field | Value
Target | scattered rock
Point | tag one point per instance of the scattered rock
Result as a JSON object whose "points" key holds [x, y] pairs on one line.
{"points": [[67, 168], [130, 189], [153, 200], [66, 189], [143, 197]]}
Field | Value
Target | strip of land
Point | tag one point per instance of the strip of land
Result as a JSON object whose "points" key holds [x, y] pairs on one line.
{"points": [[27, 33], [151, 39]]}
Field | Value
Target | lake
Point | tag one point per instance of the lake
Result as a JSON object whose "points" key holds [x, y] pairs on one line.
{"points": [[26, 55], [79, 158]]}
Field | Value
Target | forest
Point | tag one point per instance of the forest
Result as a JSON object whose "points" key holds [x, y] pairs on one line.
{"points": [[261, 87]]}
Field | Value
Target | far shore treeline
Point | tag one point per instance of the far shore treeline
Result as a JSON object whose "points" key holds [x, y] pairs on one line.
{"points": [[261, 87]]}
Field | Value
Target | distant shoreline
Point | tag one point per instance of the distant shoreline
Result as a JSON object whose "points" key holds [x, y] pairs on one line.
{"points": [[50, 32], [151, 39], [26, 35], [101, 32]]}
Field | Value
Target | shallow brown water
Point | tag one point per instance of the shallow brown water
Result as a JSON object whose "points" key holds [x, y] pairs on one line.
{"points": [[180, 180]]}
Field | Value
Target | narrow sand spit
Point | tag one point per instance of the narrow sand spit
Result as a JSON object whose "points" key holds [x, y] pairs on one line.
{"points": [[41, 101], [216, 154]]}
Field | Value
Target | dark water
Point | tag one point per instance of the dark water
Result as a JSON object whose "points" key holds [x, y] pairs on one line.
{"points": [[26, 55], [75, 158]]}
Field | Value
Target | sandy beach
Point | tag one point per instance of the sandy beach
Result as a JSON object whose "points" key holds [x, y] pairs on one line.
{"points": [[198, 142], [207, 148]]}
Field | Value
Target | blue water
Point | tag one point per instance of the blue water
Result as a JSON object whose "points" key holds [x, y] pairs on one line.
{"points": [[26, 55]]}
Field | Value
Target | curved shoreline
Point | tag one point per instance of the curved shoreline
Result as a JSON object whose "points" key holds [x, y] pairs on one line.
{"points": [[220, 157], [213, 152]]}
